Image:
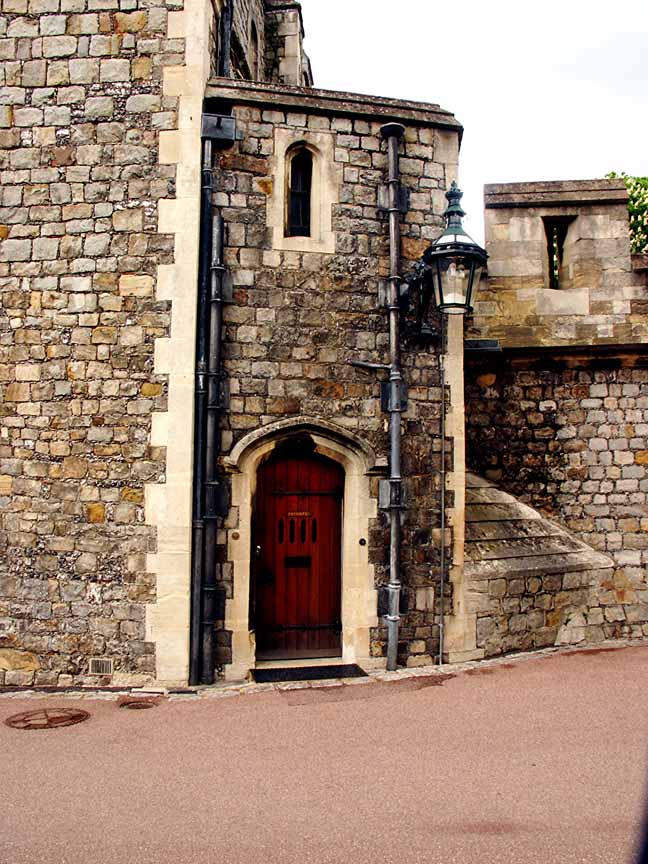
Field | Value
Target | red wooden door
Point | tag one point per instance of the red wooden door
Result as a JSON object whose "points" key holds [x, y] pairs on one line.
{"points": [[298, 535]]}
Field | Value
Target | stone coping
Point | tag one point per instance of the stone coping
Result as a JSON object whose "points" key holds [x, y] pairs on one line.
{"points": [[567, 354], [243, 688], [555, 193], [275, 97]]}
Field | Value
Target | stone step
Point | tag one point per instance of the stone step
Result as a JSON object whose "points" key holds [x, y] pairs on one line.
{"points": [[488, 495], [538, 565], [474, 481], [500, 512], [514, 529], [492, 550]]}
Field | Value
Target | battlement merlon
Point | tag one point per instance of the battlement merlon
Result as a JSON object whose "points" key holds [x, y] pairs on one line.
{"points": [[557, 193]]}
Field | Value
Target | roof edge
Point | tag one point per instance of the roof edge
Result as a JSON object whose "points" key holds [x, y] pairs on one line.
{"points": [[331, 102]]}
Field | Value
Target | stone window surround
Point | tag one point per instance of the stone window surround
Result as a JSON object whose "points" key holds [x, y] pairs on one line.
{"points": [[359, 593], [326, 182]]}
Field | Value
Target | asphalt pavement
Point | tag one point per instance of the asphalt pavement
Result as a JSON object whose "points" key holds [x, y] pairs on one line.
{"points": [[526, 761]]}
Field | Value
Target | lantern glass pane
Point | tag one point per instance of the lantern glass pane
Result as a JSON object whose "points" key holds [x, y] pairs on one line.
{"points": [[455, 279], [436, 283], [475, 284]]}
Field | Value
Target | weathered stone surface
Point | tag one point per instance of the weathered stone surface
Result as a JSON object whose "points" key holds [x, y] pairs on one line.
{"points": [[14, 660], [531, 590], [582, 465], [590, 299], [276, 371], [75, 352]]}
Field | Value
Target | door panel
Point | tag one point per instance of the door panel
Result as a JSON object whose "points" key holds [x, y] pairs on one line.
{"points": [[298, 536]]}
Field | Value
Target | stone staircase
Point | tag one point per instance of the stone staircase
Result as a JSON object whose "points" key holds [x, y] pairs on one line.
{"points": [[530, 583]]}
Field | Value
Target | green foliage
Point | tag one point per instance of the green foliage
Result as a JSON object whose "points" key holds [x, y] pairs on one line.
{"points": [[638, 209]]}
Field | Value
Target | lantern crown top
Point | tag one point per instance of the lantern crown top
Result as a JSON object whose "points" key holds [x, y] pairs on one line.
{"points": [[454, 212], [454, 261], [454, 234]]}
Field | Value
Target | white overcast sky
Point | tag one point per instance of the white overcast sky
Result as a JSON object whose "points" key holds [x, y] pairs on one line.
{"points": [[552, 90]]}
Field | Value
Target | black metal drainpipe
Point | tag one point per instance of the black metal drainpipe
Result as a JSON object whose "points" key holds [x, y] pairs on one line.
{"points": [[200, 414], [213, 496], [226, 22], [393, 132], [209, 498], [442, 519]]}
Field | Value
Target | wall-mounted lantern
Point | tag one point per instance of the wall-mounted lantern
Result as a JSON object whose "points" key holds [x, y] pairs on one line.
{"points": [[453, 264]]}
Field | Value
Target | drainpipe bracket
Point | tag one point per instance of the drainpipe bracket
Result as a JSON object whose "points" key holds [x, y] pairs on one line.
{"points": [[383, 602], [403, 199], [403, 295], [385, 396], [219, 128], [391, 495]]}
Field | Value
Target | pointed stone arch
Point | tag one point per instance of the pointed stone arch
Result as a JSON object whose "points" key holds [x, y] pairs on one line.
{"points": [[303, 423], [359, 594]]}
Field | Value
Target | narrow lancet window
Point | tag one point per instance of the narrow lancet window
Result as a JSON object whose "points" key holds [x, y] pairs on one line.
{"points": [[254, 53], [299, 194], [556, 228]]}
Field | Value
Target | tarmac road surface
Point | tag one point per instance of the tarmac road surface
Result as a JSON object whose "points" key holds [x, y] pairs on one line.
{"points": [[529, 761]]}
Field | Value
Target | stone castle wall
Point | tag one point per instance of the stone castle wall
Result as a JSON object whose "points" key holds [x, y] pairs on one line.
{"points": [[600, 298], [569, 436], [560, 418], [82, 110], [297, 315], [100, 166], [247, 12], [285, 60], [100, 151]]}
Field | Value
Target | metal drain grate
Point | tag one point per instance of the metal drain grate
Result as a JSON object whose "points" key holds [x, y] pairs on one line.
{"points": [[101, 666], [47, 718]]}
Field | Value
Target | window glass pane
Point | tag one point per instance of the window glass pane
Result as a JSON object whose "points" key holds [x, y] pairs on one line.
{"points": [[299, 203]]}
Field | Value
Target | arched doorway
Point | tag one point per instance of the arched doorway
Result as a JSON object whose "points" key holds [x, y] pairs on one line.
{"points": [[296, 596], [357, 463]]}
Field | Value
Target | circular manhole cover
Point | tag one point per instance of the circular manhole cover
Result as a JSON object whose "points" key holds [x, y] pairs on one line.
{"points": [[137, 704], [47, 718]]}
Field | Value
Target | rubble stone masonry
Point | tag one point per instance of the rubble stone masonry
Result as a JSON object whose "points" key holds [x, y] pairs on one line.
{"points": [[298, 315], [99, 160], [569, 436], [81, 110], [560, 418], [101, 104]]}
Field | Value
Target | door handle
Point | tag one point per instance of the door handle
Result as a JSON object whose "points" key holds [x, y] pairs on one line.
{"points": [[257, 552]]}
